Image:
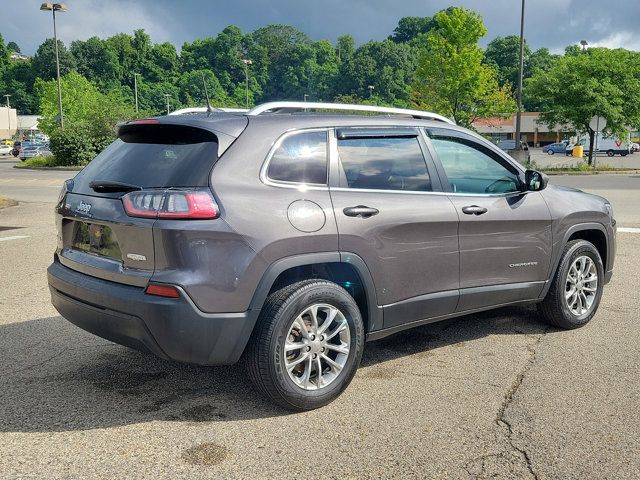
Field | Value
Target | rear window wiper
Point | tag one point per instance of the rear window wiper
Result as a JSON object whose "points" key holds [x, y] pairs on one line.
{"points": [[103, 186]]}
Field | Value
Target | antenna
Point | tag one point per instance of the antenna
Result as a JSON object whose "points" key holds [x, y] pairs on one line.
{"points": [[206, 94]]}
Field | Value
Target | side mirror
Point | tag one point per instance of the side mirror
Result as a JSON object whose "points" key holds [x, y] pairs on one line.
{"points": [[535, 181]]}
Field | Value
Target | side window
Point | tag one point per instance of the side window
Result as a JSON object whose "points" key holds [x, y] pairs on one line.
{"points": [[473, 168], [300, 158], [390, 163]]}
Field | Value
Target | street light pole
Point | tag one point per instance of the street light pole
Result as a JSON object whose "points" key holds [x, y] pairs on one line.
{"points": [[59, 7], [246, 62], [9, 113], [371, 87], [135, 89], [167, 95], [520, 74]]}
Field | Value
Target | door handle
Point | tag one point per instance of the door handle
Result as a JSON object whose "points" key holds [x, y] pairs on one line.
{"points": [[360, 211], [474, 210]]}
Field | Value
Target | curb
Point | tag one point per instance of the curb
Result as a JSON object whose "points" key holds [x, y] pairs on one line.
{"points": [[64, 169], [603, 172]]}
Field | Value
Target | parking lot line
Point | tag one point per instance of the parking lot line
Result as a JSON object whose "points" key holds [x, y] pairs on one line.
{"points": [[629, 230], [15, 237]]}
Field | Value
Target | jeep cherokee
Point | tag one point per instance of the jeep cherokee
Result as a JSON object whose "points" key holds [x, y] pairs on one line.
{"points": [[288, 237]]}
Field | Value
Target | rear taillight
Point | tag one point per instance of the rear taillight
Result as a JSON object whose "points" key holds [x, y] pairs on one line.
{"points": [[176, 204]]}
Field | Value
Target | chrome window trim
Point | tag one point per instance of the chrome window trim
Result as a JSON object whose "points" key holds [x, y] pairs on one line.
{"points": [[294, 185], [417, 192]]}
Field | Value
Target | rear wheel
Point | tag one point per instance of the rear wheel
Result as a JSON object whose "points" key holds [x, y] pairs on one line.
{"points": [[550, 152], [611, 153], [576, 289], [307, 345]]}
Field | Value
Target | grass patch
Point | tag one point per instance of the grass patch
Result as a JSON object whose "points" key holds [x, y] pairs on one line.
{"points": [[7, 202], [45, 162], [584, 167]]}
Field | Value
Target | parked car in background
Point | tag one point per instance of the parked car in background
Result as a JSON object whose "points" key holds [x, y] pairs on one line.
{"points": [[510, 145], [16, 148], [635, 147], [34, 151], [554, 148], [5, 149]]}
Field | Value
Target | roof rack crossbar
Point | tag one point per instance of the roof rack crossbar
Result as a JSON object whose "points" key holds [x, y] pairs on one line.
{"points": [[303, 106]]}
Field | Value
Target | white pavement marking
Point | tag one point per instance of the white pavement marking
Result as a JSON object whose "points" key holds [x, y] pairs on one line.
{"points": [[16, 237], [628, 230]]}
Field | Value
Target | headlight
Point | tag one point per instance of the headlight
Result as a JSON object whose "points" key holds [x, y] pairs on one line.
{"points": [[610, 211]]}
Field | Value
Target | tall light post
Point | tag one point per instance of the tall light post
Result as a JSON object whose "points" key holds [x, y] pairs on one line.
{"points": [[246, 62], [584, 44], [167, 96], [135, 89], [56, 7], [9, 113], [520, 74], [371, 87]]}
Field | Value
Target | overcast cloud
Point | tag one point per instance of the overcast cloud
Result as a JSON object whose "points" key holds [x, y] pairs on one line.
{"points": [[549, 23]]}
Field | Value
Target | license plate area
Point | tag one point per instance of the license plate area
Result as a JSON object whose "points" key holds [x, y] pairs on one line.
{"points": [[96, 239]]}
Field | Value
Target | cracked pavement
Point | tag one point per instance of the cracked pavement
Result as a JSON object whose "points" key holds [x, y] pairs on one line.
{"points": [[493, 395]]}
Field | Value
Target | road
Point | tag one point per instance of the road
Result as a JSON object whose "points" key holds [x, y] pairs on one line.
{"points": [[496, 395]]}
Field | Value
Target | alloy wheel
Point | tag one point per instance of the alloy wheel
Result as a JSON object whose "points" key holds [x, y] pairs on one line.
{"points": [[317, 346], [581, 286]]}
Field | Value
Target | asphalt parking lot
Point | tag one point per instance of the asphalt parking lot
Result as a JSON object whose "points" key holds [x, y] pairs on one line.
{"points": [[493, 395]]}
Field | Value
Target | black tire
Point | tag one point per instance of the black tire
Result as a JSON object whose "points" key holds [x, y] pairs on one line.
{"points": [[554, 308], [611, 153], [623, 154], [264, 357]]}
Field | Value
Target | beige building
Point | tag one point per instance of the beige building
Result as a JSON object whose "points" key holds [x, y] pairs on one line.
{"points": [[537, 134], [8, 122]]}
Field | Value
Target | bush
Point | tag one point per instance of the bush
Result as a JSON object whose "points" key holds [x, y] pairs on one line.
{"points": [[73, 146]]}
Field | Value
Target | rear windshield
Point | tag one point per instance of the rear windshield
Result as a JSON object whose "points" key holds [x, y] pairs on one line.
{"points": [[153, 156]]}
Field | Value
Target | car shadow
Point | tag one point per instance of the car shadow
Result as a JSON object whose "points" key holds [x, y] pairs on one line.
{"points": [[56, 377]]}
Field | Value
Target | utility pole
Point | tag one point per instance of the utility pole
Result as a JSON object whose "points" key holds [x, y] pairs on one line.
{"points": [[520, 74], [135, 89], [371, 87], [9, 113], [167, 96], [246, 62]]}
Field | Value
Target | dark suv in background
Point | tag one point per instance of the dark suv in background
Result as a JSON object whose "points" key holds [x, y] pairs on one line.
{"points": [[288, 238]]}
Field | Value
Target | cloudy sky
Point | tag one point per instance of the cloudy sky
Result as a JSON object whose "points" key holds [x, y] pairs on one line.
{"points": [[549, 23]]}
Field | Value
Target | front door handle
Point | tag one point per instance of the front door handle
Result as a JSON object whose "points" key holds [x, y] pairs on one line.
{"points": [[474, 210], [360, 211]]}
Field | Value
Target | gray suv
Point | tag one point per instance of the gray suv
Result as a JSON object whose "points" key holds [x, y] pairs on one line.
{"points": [[288, 238]]}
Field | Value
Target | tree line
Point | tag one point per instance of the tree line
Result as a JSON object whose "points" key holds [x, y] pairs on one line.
{"points": [[433, 63], [285, 64]]}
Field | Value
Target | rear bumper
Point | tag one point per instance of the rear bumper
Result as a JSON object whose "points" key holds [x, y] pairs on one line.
{"points": [[173, 329]]}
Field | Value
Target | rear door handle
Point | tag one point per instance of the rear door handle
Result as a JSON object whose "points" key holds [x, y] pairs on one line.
{"points": [[474, 210], [360, 211]]}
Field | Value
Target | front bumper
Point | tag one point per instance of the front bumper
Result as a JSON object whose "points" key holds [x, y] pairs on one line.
{"points": [[171, 328]]}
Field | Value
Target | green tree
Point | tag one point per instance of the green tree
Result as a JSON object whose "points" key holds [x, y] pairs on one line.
{"points": [[4, 54], [504, 53], [44, 61], [13, 47], [98, 61], [192, 89], [451, 77], [596, 82], [410, 27]]}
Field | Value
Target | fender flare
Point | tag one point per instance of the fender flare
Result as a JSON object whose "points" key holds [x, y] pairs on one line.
{"points": [[555, 262], [374, 312]]}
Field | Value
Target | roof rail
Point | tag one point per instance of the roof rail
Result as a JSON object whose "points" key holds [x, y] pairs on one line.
{"points": [[188, 110], [303, 106]]}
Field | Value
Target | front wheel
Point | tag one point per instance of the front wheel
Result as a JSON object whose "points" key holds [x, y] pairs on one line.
{"points": [[307, 345], [576, 289], [550, 152]]}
